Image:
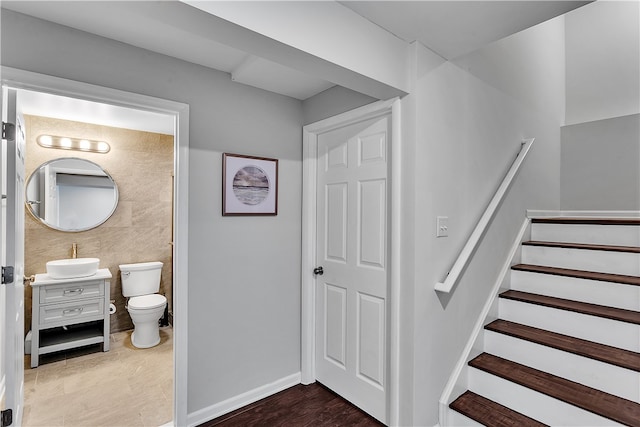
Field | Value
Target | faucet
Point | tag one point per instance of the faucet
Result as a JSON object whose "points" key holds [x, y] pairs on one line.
{"points": [[74, 250]]}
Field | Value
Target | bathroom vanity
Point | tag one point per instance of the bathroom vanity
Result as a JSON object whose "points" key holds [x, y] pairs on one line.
{"points": [[69, 313]]}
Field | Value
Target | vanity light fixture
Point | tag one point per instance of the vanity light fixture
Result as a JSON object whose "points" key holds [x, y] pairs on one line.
{"points": [[66, 143]]}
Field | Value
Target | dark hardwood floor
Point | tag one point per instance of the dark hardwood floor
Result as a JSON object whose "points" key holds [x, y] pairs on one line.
{"points": [[312, 405]]}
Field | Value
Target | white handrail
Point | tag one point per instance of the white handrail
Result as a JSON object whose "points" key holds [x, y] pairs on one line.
{"points": [[483, 223]]}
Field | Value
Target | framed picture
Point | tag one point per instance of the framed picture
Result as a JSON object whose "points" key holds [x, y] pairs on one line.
{"points": [[249, 185]]}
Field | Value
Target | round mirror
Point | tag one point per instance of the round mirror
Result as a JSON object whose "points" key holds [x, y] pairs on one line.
{"points": [[71, 194]]}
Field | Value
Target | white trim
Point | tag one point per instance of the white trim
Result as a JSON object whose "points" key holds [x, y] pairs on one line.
{"points": [[309, 168], [396, 258], [2, 387], [369, 111], [309, 174], [457, 381], [241, 400], [21, 79], [532, 213]]}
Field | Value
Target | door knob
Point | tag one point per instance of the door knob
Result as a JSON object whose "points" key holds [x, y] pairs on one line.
{"points": [[318, 271]]}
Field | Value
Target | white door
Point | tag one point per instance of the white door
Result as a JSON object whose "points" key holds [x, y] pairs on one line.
{"points": [[13, 255], [352, 249]]}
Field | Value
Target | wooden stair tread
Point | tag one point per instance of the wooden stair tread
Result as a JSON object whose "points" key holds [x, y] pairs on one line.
{"points": [[489, 413], [603, 353], [587, 221], [580, 274], [607, 405], [586, 246], [613, 313]]}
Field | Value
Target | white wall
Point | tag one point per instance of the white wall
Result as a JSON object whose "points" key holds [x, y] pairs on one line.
{"points": [[325, 30], [601, 142], [463, 129], [244, 275], [529, 65], [603, 61], [333, 101], [601, 164]]}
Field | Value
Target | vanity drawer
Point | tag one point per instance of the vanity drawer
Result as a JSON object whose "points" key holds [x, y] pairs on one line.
{"points": [[71, 291], [71, 312]]}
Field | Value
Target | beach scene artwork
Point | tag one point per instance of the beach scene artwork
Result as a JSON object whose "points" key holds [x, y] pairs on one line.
{"points": [[251, 185]]}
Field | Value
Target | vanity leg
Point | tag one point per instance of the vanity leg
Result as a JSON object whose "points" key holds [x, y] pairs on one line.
{"points": [[107, 316], [35, 332], [35, 342], [105, 341]]}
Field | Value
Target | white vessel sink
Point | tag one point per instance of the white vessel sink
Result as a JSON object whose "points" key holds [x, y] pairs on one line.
{"points": [[72, 268]]}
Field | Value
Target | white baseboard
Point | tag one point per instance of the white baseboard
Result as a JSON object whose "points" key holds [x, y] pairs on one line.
{"points": [[236, 402], [532, 213], [2, 387], [457, 381]]}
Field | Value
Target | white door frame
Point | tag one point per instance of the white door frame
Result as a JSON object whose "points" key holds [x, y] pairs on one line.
{"points": [[21, 79], [309, 174]]}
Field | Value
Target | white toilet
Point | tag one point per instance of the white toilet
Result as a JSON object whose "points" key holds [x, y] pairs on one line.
{"points": [[140, 282]]}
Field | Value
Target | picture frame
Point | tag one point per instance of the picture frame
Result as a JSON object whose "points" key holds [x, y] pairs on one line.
{"points": [[249, 185]]}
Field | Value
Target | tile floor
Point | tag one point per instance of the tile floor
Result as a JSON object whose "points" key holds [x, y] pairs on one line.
{"points": [[125, 386]]}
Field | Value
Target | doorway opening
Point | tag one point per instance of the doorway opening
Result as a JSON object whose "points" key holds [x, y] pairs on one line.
{"points": [[139, 164], [103, 105]]}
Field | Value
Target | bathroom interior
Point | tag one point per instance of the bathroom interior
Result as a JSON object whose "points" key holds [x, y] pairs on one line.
{"points": [[135, 230]]}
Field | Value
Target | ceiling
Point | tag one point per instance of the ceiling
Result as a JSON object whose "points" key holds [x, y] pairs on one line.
{"points": [[454, 28], [78, 110], [449, 28]]}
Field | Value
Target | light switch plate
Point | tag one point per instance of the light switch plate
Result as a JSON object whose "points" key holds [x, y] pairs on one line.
{"points": [[442, 226]]}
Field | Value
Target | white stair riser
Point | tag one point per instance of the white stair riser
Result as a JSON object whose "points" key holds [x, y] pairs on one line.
{"points": [[580, 259], [612, 379], [536, 405], [592, 291], [605, 331], [620, 235], [455, 418]]}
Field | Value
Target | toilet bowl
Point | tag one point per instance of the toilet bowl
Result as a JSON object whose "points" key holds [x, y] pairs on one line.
{"points": [[140, 282]]}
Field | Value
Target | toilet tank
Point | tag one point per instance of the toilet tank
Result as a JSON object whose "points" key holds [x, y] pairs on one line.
{"points": [[141, 278]]}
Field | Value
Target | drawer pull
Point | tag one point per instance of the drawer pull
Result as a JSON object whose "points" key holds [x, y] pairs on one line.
{"points": [[76, 291], [72, 311]]}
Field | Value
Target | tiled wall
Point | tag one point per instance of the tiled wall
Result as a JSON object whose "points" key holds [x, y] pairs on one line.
{"points": [[140, 230]]}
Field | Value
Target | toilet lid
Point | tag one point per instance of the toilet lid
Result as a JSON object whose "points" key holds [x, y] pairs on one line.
{"points": [[147, 302]]}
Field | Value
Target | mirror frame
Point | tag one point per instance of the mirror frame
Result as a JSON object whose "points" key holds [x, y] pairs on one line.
{"points": [[43, 222]]}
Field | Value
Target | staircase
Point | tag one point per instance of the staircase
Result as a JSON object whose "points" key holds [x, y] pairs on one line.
{"points": [[565, 349]]}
